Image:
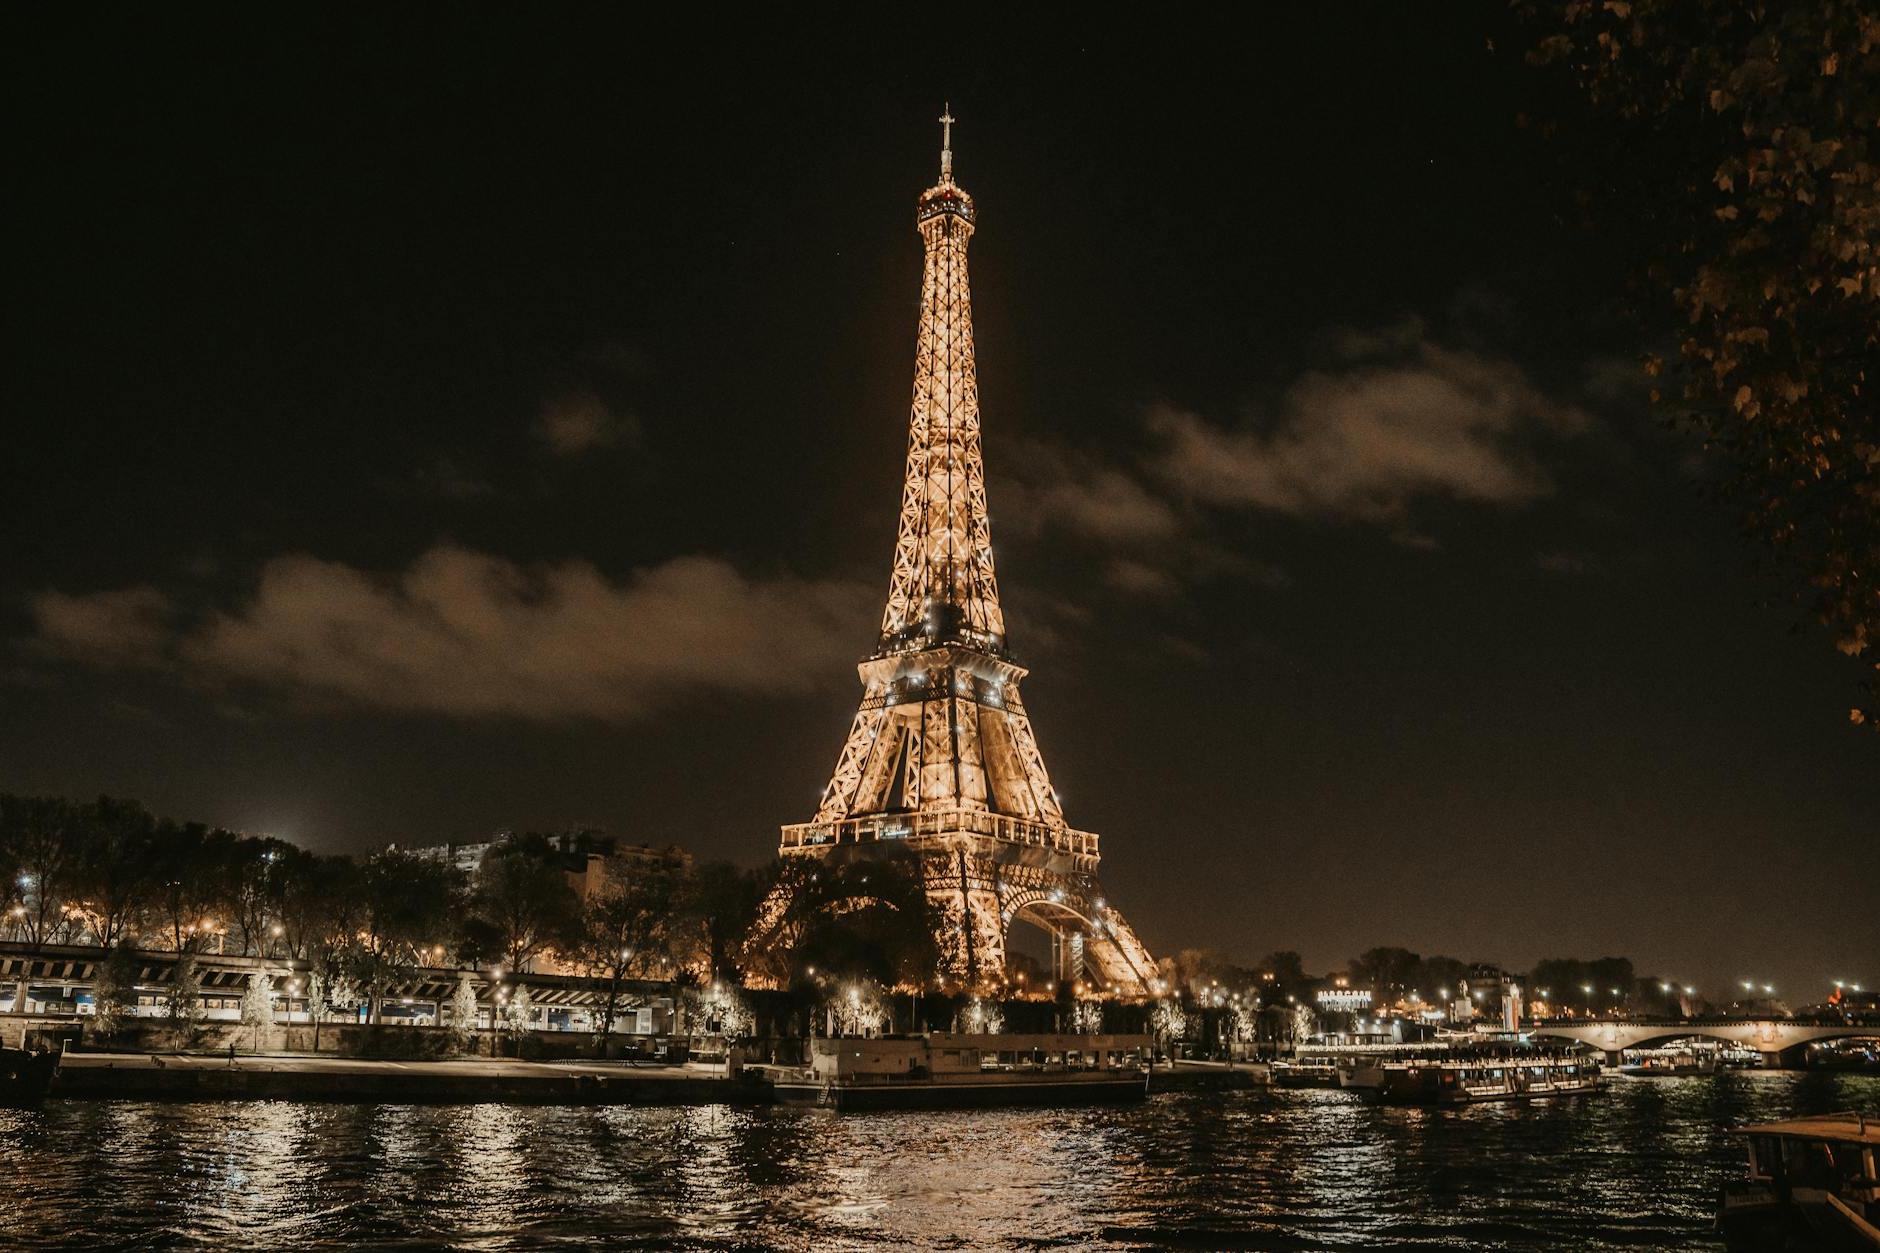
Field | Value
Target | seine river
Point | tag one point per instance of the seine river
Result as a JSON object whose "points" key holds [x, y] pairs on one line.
{"points": [[1633, 1167]]}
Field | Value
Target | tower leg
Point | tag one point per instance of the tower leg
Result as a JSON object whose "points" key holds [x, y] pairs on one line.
{"points": [[968, 931]]}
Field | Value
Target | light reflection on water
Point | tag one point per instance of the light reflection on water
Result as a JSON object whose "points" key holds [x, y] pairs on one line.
{"points": [[1635, 1167]]}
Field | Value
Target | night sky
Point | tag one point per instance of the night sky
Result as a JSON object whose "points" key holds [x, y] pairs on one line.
{"points": [[425, 422]]}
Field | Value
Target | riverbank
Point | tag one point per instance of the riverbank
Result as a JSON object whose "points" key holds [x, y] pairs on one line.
{"points": [[201, 1077], [300, 1077]]}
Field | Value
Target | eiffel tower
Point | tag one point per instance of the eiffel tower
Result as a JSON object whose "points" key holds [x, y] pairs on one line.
{"points": [[941, 758]]}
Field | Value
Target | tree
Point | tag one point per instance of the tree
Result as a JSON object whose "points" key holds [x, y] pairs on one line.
{"points": [[516, 1011], [1438, 977], [463, 1014], [1562, 981], [1392, 972], [1613, 979], [527, 901], [113, 991], [112, 868], [724, 1012], [1740, 145], [983, 1017], [1283, 972], [317, 991], [186, 876], [633, 921], [184, 997], [258, 1005], [1168, 1022], [256, 884], [40, 830], [720, 905], [863, 919], [318, 900], [406, 904]]}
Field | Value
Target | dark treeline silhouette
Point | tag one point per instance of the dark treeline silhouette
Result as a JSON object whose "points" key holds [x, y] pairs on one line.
{"points": [[110, 873]]}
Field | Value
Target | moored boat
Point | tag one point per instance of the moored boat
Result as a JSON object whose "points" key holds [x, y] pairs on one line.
{"points": [[1465, 1080], [1810, 1183], [953, 1071], [25, 1076], [1305, 1072]]}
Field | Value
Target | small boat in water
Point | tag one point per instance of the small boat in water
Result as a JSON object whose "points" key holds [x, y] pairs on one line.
{"points": [[1305, 1072], [1465, 1080], [1811, 1183], [1670, 1064], [950, 1071], [25, 1076]]}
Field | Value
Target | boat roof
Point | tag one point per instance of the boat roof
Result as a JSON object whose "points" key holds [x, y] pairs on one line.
{"points": [[1843, 1128]]}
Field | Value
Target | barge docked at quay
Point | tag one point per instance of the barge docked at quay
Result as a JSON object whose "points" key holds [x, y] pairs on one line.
{"points": [[949, 1071]]}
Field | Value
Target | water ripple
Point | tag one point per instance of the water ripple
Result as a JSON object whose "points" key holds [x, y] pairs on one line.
{"points": [[1635, 1167]]}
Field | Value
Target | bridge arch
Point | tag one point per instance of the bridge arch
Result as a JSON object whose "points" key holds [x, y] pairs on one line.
{"points": [[1782, 1040]]}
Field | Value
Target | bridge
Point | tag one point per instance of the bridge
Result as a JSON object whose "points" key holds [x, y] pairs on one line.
{"points": [[1781, 1041]]}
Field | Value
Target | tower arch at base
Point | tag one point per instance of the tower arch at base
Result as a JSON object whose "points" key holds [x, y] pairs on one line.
{"points": [[1089, 941]]}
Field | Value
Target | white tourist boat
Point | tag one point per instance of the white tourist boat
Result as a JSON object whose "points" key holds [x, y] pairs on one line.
{"points": [[1468, 1079], [949, 1071]]}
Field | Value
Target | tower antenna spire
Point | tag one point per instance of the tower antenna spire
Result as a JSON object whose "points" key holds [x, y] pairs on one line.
{"points": [[946, 143]]}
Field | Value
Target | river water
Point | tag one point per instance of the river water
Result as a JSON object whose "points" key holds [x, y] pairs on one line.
{"points": [[1635, 1166]]}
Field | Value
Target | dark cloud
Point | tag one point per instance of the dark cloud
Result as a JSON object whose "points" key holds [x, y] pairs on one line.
{"points": [[129, 626], [469, 634], [450, 479], [580, 422], [1140, 578], [1568, 561], [1055, 488]]}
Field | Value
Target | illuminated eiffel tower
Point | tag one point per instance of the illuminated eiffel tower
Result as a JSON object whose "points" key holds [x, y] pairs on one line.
{"points": [[941, 758]]}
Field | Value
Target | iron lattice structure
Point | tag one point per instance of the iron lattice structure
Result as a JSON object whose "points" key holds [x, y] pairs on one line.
{"points": [[941, 757]]}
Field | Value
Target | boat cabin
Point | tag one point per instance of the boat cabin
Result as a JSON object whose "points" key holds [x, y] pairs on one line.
{"points": [[1814, 1178]]}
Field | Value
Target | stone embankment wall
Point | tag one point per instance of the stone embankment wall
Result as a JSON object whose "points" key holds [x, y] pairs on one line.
{"points": [[389, 1084]]}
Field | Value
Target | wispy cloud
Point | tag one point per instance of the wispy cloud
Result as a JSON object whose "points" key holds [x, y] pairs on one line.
{"points": [[1054, 488], [1391, 419], [129, 626], [1399, 419], [450, 479], [469, 634], [581, 421], [1140, 578], [1568, 561]]}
